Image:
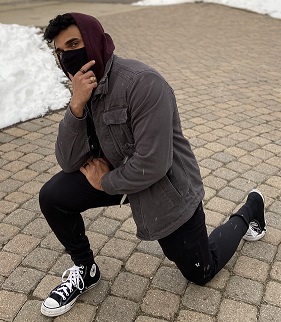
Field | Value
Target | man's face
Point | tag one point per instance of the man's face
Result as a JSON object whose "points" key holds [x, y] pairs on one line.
{"points": [[68, 39]]}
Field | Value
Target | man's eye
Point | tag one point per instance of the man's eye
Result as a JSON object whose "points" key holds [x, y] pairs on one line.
{"points": [[74, 44]]}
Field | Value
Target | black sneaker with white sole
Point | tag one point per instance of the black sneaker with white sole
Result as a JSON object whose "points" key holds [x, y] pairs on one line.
{"points": [[75, 281], [257, 226]]}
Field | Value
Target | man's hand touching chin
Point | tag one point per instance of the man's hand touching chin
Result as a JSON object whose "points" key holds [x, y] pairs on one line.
{"points": [[94, 170]]}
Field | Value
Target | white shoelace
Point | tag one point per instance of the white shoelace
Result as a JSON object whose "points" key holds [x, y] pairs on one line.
{"points": [[70, 278], [254, 229]]}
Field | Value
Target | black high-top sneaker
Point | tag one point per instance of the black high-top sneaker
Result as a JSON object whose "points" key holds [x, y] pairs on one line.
{"points": [[75, 281], [257, 226]]}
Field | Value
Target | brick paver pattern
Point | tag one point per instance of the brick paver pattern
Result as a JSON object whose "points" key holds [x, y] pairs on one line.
{"points": [[224, 65]]}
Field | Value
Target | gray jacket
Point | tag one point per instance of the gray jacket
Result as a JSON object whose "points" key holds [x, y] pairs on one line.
{"points": [[138, 127]]}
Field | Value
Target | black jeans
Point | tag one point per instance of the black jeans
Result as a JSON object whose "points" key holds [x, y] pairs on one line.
{"points": [[199, 258]]}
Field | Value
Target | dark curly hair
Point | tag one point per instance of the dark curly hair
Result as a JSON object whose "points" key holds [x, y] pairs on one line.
{"points": [[56, 25]]}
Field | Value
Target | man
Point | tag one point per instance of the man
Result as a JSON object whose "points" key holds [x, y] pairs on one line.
{"points": [[121, 136]]}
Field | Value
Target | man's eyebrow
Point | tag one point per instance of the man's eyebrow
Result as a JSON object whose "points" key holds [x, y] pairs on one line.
{"points": [[71, 40], [67, 43]]}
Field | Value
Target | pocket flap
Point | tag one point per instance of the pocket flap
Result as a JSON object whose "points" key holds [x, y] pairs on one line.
{"points": [[115, 117]]}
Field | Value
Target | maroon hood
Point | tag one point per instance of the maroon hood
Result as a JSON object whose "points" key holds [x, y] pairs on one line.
{"points": [[98, 44]]}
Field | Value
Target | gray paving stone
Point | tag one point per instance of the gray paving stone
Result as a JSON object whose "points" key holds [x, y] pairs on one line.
{"points": [[22, 244], [7, 232], [29, 126], [15, 166], [272, 289], [234, 311], [269, 313], [130, 286], [186, 315], [213, 218], [272, 236], [225, 174], [232, 194], [23, 280], [31, 312], [109, 267], [201, 299], [105, 226], [25, 175], [118, 213], [7, 207], [238, 167], [51, 242], [44, 151], [118, 248], [245, 290], [273, 220], [4, 174], [129, 226], [10, 304], [251, 268], [12, 156], [160, 304], [209, 193], [276, 271], [150, 247], [10, 185], [223, 157], [18, 197], [241, 182], [127, 236], [254, 176], [97, 241], [260, 250], [63, 263], [170, 279], [97, 294], [41, 259], [32, 187], [32, 205], [41, 166], [43, 178], [220, 280], [224, 206], [278, 255], [38, 228], [214, 182], [115, 309], [5, 137], [8, 262], [46, 284], [26, 147], [80, 312], [143, 264]]}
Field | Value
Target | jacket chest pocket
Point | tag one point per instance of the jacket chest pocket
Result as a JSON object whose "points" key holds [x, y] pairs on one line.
{"points": [[118, 123]]}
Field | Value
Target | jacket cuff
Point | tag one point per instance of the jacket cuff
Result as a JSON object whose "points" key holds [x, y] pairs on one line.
{"points": [[70, 120], [107, 185]]}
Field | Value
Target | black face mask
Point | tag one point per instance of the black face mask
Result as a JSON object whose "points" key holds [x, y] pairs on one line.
{"points": [[73, 60]]}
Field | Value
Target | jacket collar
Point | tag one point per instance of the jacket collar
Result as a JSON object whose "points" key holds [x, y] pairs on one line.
{"points": [[103, 84]]}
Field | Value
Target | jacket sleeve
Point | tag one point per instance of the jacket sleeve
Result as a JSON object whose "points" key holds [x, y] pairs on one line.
{"points": [[72, 147], [152, 104]]}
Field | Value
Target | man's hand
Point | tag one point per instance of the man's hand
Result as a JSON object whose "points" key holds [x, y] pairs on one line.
{"points": [[83, 83], [94, 170]]}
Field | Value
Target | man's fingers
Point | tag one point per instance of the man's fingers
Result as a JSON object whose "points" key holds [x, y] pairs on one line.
{"points": [[86, 67], [70, 76], [83, 170]]}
